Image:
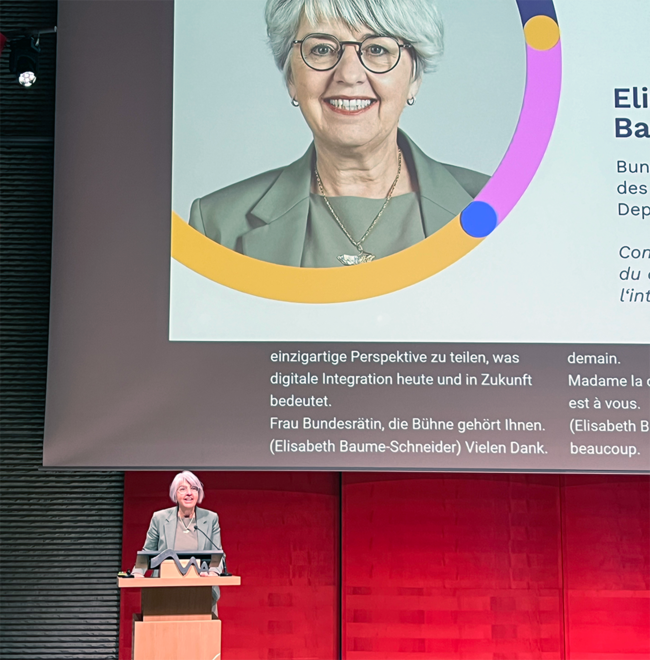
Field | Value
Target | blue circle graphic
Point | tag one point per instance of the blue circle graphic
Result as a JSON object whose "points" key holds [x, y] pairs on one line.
{"points": [[479, 219]]}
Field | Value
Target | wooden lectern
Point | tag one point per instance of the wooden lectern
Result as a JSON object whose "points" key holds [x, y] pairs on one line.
{"points": [[176, 622]]}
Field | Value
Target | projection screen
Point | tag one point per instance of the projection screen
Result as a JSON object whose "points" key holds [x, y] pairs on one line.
{"points": [[201, 314]]}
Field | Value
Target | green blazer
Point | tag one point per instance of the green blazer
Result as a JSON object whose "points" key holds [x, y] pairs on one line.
{"points": [[161, 534], [265, 217]]}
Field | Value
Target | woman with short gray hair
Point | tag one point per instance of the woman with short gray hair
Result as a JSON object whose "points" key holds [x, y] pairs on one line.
{"points": [[363, 190], [192, 481], [185, 526]]}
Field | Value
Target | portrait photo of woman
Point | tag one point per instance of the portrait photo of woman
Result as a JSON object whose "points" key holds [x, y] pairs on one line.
{"points": [[318, 144], [363, 190]]}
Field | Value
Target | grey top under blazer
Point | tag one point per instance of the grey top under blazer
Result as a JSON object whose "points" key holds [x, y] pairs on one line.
{"points": [[161, 534], [265, 217]]}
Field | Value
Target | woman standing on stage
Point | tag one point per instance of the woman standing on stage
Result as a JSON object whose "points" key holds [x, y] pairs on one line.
{"points": [[185, 526]]}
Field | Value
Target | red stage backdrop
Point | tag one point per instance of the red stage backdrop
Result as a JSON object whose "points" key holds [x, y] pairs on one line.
{"points": [[498, 567]]}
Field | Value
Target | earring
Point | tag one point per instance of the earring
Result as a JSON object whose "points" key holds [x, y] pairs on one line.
{"points": [[411, 101], [295, 103]]}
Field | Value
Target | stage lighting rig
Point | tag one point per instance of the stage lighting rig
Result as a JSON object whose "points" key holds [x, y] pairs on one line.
{"points": [[24, 52]]}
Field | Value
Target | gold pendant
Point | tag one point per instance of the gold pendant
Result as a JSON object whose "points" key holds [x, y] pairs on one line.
{"points": [[356, 259]]}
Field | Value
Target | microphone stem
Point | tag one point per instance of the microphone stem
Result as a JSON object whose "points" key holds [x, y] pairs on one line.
{"points": [[223, 559]]}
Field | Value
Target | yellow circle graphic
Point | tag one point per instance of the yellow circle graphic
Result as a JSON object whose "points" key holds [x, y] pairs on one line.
{"points": [[541, 32], [319, 285]]}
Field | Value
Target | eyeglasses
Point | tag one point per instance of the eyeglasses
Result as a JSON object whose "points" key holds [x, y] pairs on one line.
{"points": [[323, 52]]}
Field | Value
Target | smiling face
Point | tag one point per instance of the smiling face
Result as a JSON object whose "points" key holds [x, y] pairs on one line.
{"points": [[349, 107], [187, 496]]}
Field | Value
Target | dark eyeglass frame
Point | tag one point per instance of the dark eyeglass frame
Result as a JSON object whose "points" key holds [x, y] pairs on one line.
{"points": [[357, 44]]}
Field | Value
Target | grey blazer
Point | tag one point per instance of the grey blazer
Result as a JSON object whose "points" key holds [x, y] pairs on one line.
{"points": [[161, 534], [265, 217]]}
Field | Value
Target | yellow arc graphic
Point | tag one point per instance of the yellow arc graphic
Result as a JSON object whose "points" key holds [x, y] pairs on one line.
{"points": [[319, 285]]}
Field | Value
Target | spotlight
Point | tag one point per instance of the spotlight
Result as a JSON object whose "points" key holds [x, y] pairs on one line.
{"points": [[24, 45], [23, 60]]}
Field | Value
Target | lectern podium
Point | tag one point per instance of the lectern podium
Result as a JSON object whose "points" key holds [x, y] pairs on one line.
{"points": [[176, 622]]}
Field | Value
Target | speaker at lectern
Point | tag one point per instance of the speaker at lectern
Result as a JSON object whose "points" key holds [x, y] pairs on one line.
{"points": [[177, 621]]}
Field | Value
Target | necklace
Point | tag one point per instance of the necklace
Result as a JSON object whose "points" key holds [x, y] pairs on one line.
{"points": [[187, 528], [363, 257]]}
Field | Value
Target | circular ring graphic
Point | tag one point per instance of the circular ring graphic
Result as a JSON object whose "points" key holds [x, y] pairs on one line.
{"points": [[435, 253]]}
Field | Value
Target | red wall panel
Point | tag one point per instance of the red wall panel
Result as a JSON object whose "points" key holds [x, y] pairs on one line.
{"points": [[280, 531], [607, 567], [442, 566]]}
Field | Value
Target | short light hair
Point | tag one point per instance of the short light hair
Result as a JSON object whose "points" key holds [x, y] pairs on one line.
{"points": [[191, 479], [417, 22]]}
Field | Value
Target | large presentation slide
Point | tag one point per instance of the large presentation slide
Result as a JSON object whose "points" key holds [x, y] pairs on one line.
{"points": [[412, 236]]}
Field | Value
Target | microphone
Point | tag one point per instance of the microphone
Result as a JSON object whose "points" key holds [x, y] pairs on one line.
{"points": [[225, 568]]}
